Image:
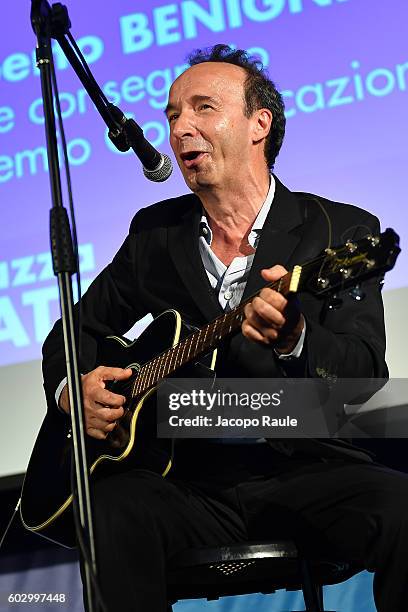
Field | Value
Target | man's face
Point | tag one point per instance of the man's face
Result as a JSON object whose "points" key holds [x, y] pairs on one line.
{"points": [[209, 133]]}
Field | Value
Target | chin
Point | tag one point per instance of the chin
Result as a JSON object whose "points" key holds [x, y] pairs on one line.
{"points": [[198, 181]]}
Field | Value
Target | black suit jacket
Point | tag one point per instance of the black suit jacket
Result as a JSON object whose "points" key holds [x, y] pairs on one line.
{"points": [[159, 267]]}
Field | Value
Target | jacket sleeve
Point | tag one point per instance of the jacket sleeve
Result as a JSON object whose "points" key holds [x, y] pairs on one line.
{"points": [[347, 341], [111, 305]]}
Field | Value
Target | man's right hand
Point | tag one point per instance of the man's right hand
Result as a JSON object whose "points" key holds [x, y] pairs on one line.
{"points": [[102, 407]]}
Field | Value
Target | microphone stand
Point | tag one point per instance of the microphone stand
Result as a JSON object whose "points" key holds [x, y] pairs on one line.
{"points": [[64, 265], [124, 133]]}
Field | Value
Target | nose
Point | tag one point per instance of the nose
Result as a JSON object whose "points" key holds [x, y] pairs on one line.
{"points": [[184, 125]]}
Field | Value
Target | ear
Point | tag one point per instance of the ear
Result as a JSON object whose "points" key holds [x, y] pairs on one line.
{"points": [[262, 124]]}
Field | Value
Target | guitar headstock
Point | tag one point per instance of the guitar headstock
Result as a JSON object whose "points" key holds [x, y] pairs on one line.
{"points": [[349, 264]]}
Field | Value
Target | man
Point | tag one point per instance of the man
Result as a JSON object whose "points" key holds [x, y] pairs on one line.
{"points": [[202, 253]]}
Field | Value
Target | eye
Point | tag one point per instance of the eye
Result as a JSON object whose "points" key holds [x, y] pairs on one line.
{"points": [[172, 117], [204, 106]]}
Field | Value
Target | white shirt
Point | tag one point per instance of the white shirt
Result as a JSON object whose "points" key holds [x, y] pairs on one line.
{"points": [[229, 281]]}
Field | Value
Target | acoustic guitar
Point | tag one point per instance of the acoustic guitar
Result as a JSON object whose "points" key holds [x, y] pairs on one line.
{"points": [[166, 348]]}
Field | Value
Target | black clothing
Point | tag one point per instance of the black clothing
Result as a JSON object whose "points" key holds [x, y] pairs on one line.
{"points": [[159, 267], [336, 508], [327, 494]]}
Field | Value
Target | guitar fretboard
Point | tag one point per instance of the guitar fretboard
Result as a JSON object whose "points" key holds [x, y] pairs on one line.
{"points": [[198, 343]]}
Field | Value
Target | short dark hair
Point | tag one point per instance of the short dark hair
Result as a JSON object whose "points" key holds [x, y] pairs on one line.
{"points": [[259, 91]]}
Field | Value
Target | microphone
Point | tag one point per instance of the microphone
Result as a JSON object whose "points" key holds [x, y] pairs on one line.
{"points": [[156, 166]]}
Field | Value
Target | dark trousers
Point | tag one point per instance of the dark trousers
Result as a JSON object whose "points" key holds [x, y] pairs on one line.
{"points": [[344, 509]]}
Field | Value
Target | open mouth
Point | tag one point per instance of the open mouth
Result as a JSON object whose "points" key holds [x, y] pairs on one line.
{"points": [[190, 155], [190, 158]]}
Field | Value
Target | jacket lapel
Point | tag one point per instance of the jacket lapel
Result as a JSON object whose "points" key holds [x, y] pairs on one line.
{"points": [[278, 244], [183, 240], [279, 240]]}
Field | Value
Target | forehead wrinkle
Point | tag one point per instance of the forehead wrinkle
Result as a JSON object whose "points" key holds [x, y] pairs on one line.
{"points": [[194, 99], [227, 78], [217, 74]]}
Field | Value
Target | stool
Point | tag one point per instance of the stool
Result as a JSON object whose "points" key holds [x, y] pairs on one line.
{"points": [[253, 567]]}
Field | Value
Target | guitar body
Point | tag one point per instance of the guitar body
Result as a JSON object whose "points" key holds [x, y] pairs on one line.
{"points": [[46, 502]]}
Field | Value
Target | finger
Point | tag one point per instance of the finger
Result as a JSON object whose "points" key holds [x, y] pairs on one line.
{"points": [[264, 335], [262, 315], [96, 433], [106, 398], [274, 273], [274, 298], [256, 321], [251, 333], [101, 425], [100, 415], [266, 314], [256, 328], [107, 415], [108, 373], [104, 419], [252, 318]]}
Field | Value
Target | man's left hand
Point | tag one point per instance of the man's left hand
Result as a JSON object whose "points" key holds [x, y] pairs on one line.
{"points": [[271, 318]]}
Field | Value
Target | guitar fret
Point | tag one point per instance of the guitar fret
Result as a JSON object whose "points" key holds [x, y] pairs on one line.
{"points": [[162, 364], [167, 361], [188, 341], [133, 391], [150, 371], [229, 322], [190, 352], [142, 384], [183, 344], [172, 354], [177, 360], [156, 369], [149, 374], [217, 329], [154, 376], [197, 342], [138, 383], [214, 326], [221, 328], [205, 335], [201, 343]]}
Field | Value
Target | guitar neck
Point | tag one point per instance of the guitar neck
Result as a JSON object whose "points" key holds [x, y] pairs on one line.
{"points": [[203, 340]]}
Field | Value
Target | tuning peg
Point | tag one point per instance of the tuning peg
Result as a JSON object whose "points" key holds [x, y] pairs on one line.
{"points": [[357, 293], [351, 246], [334, 302], [374, 240]]}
